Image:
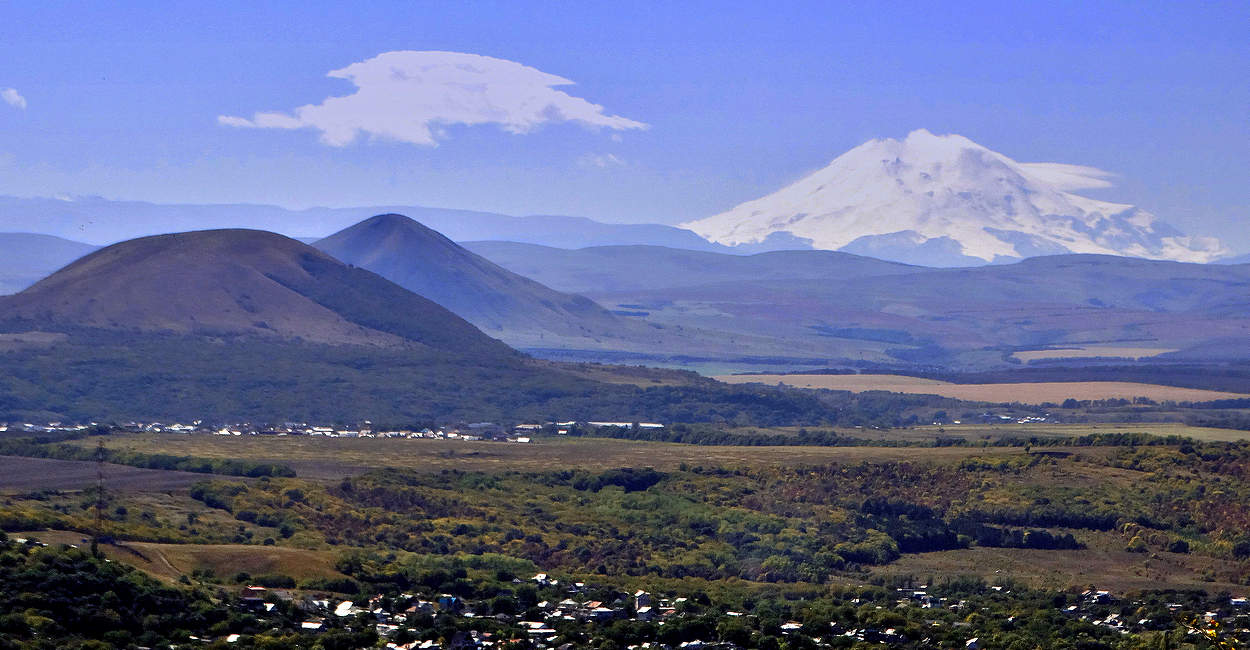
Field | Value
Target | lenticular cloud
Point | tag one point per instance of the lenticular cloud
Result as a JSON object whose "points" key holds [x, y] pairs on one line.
{"points": [[407, 96]]}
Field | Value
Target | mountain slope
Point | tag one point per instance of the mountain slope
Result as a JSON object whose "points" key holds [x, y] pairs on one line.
{"points": [[240, 283], [947, 200], [478, 290], [930, 316], [28, 257], [606, 269]]}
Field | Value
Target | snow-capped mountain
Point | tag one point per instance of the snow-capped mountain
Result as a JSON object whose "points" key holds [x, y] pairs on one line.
{"points": [[945, 200]]}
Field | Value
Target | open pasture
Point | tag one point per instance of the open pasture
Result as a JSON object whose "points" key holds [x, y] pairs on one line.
{"points": [[1117, 570], [169, 561], [1023, 392], [976, 432], [1043, 430], [332, 458]]}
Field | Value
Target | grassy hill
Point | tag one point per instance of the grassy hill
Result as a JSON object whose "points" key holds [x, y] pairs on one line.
{"points": [[496, 300], [240, 283]]}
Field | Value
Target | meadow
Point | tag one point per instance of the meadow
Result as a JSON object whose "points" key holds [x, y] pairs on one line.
{"points": [[332, 458]]}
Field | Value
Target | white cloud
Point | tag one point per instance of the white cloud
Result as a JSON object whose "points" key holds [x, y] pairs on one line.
{"points": [[601, 160], [411, 96], [1069, 178], [13, 98]]}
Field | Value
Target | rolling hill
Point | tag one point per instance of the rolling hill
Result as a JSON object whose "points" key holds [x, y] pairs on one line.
{"points": [[240, 283], [605, 269], [245, 325], [29, 257], [509, 306], [971, 316], [863, 309]]}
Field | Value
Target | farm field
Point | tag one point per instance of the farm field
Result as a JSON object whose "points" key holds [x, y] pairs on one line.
{"points": [[1024, 393], [1091, 352]]}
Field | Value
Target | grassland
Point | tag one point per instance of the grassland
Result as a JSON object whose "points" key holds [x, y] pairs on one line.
{"points": [[333, 458], [170, 561], [1106, 568], [1011, 431], [1091, 352], [399, 499], [1022, 392]]}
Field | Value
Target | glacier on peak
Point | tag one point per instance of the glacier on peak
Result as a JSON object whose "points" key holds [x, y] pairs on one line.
{"points": [[944, 200]]}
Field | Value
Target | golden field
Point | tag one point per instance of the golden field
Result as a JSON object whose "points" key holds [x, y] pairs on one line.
{"points": [[1024, 393]]}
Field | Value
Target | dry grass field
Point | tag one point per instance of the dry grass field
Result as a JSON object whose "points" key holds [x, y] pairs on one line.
{"points": [[993, 431], [334, 458], [1024, 393], [169, 561], [1116, 570], [1090, 352], [978, 432]]}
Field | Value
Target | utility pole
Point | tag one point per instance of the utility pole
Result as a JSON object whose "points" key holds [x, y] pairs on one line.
{"points": [[99, 498]]}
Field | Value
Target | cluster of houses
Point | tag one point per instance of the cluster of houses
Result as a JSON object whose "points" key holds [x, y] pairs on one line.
{"points": [[50, 427], [522, 433], [389, 615], [549, 628]]}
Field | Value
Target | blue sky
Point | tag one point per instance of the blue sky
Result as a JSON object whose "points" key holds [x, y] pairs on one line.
{"points": [[738, 99]]}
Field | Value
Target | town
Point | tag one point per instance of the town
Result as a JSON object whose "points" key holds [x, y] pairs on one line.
{"points": [[475, 431], [548, 613]]}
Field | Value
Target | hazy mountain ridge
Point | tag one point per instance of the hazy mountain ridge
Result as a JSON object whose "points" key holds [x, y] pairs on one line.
{"points": [[104, 221], [601, 269], [29, 257], [492, 298], [878, 311], [945, 200]]}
